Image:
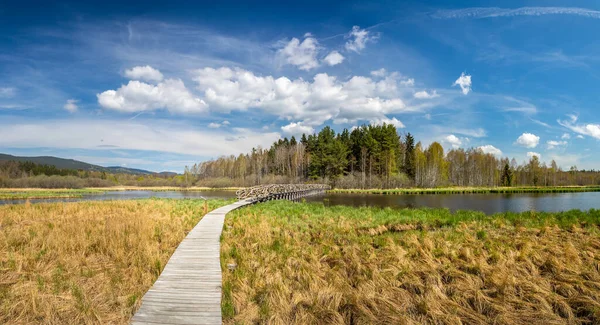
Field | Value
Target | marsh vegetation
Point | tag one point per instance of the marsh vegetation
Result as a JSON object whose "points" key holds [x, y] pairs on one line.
{"points": [[306, 263], [87, 262]]}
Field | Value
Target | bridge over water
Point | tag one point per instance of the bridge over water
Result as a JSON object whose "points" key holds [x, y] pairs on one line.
{"points": [[188, 291]]}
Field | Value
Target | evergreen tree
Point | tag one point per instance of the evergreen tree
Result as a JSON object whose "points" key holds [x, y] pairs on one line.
{"points": [[506, 179], [409, 156]]}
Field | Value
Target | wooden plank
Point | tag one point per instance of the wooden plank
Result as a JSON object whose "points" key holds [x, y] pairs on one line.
{"points": [[188, 291]]}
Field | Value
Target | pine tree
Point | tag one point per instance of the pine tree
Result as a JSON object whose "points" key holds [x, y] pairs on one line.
{"points": [[409, 156], [506, 179]]}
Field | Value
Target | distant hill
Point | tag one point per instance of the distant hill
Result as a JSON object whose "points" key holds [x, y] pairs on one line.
{"points": [[74, 164]]}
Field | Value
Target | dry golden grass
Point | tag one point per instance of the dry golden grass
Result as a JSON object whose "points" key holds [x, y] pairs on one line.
{"points": [[309, 264], [86, 262]]}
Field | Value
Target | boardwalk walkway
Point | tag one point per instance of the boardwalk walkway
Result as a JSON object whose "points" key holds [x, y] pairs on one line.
{"points": [[188, 290]]}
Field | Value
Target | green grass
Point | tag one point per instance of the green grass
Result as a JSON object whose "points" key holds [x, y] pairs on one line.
{"points": [[45, 194], [472, 190]]}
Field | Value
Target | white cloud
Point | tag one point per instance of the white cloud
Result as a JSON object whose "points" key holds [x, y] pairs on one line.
{"points": [[156, 135], [358, 39], [146, 73], [408, 82], [528, 140], [379, 73], [490, 12], [541, 123], [138, 96], [522, 107], [532, 154], [580, 136], [427, 116], [425, 95], [491, 150], [301, 54], [553, 144], [71, 105], [393, 121], [297, 129], [464, 81], [565, 136], [7, 92], [589, 129], [333, 58], [214, 125], [225, 122], [310, 101], [453, 140]]}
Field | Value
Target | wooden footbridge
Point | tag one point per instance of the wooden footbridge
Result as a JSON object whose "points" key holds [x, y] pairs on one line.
{"points": [[188, 291]]}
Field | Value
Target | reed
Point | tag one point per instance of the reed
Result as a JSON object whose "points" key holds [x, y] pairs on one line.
{"points": [[298, 263], [87, 262]]}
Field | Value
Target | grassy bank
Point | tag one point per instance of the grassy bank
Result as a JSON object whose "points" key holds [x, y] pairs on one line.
{"points": [[471, 190], [306, 263], [41, 193], [86, 262]]}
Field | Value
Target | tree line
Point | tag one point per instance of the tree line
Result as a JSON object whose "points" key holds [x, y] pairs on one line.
{"points": [[376, 156], [18, 174]]}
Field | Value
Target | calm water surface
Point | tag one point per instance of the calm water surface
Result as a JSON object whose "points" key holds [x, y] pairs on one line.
{"points": [[488, 203]]}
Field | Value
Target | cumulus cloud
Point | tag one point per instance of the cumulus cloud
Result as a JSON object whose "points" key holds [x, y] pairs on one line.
{"points": [[425, 95], [453, 140], [333, 58], [532, 154], [464, 81], [592, 130], [488, 148], [145, 73], [7, 92], [379, 73], [71, 105], [214, 125], [565, 136], [310, 101], [580, 136], [138, 96], [553, 144], [528, 140], [393, 121], [297, 129], [358, 39], [301, 54], [408, 82]]}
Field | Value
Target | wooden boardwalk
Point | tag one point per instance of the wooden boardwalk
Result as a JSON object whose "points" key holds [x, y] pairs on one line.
{"points": [[188, 291]]}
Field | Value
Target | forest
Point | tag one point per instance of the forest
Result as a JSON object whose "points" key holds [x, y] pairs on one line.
{"points": [[376, 156], [16, 174]]}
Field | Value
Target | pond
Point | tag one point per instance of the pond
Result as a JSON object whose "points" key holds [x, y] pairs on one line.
{"points": [[488, 203]]}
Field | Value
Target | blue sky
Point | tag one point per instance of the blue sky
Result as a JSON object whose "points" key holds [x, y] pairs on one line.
{"points": [[163, 85]]}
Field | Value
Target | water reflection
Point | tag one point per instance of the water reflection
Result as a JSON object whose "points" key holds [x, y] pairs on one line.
{"points": [[488, 203]]}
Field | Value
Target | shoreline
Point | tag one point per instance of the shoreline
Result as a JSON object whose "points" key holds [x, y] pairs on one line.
{"points": [[469, 190]]}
